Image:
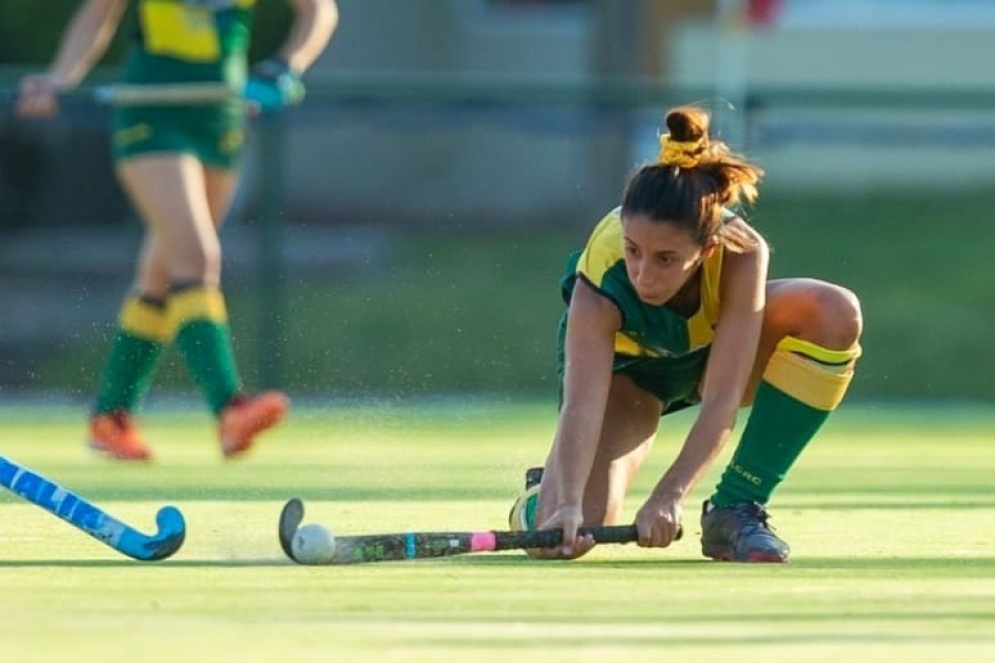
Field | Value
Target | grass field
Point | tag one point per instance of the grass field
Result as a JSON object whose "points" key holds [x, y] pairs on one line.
{"points": [[890, 515]]}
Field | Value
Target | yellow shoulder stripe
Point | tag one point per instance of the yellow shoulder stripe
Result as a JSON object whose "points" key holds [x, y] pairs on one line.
{"points": [[603, 250]]}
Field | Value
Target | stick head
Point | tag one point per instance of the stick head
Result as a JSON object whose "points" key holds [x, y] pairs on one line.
{"points": [[290, 520], [162, 544], [172, 531]]}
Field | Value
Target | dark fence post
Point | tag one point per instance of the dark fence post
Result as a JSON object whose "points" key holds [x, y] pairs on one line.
{"points": [[270, 283]]}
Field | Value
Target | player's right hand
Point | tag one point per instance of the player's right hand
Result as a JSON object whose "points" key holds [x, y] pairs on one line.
{"points": [[273, 85], [38, 96], [569, 519], [659, 521]]}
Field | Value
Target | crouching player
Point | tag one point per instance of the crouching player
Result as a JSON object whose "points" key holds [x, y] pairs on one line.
{"points": [[669, 306]]}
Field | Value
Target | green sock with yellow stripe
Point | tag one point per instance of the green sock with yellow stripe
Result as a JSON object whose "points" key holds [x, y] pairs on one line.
{"points": [[143, 332], [802, 384], [204, 340]]}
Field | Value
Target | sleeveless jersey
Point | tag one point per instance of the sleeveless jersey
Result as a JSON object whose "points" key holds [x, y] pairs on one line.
{"points": [[191, 41]]}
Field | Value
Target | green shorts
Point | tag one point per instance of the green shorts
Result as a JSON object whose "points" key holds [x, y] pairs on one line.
{"points": [[213, 134], [673, 380]]}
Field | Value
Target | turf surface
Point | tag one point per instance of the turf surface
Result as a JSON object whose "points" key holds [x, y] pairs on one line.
{"points": [[889, 513]]}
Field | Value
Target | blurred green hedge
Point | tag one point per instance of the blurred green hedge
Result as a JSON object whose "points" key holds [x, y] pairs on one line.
{"points": [[476, 312]]}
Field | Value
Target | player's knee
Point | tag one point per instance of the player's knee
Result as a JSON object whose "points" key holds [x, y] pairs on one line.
{"points": [[202, 265], [841, 316], [211, 263]]}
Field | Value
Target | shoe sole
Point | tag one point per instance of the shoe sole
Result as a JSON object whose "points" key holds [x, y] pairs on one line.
{"points": [[757, 556], [100, 449]]}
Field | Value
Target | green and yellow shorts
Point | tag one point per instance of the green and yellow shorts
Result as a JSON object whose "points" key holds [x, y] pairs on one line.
{"points": [[673, 380], [214, 134]]}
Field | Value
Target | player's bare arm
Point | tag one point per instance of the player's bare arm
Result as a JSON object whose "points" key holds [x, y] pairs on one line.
{"points": [[85, 40], [591, 327], [729, 366], [314, 23]]}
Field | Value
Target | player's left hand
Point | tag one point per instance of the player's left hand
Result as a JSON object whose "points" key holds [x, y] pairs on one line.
{"points": [[38, 96], [273, 85], [659, 521], [569, 518]]}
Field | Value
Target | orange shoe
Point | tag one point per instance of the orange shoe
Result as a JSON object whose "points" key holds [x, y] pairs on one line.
{"points": [[116, 435], [246, 416]]}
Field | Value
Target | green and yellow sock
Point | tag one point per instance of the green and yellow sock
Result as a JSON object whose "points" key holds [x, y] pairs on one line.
{"points": [[143, 332], [802, 384], [204, 340]]}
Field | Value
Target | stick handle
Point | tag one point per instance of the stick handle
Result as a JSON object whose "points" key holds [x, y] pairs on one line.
{"points": [[550, 538], [427, 545], [167, 94]]}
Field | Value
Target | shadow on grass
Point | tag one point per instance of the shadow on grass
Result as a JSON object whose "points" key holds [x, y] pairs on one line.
{"points": [[942, 565], [121, 563], [817, 637]]}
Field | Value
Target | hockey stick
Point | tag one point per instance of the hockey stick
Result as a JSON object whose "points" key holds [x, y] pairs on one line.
{"points": [[168, 94], [85, 516], [152, 94], [423, 545]]}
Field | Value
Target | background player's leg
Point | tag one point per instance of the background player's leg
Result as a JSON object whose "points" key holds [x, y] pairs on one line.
{"points": [[178, 199], [142, 334]]}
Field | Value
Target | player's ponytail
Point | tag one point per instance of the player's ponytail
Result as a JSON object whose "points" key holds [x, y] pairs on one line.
{"points": [[695, 179]]}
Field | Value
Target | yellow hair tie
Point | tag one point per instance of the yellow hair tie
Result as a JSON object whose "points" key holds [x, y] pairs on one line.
{"points": [[684, 154]]}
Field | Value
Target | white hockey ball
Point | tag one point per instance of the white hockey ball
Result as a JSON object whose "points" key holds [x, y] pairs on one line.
{"points": [[313, 544]]}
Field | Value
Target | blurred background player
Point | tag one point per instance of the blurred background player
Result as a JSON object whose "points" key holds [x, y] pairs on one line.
{"points": [[178, 165], [669, 306]]}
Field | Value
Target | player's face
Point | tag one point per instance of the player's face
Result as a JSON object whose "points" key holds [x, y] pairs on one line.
{"points": [[660, 257]]}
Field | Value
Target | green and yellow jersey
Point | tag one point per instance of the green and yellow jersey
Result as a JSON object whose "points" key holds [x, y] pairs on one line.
{"points": [[191, 41], [187, 41], [663, 351]]}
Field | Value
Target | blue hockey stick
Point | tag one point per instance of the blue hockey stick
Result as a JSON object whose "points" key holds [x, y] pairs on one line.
{"points": [[81, 514]]}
